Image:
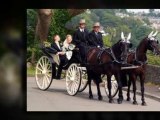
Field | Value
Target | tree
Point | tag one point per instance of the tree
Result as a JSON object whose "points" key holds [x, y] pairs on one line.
{"points": [[44, 20], [42, 24], [146, 21]]}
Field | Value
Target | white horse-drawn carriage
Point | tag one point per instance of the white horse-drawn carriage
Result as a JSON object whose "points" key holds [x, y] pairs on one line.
{"points": [[75, 75]]}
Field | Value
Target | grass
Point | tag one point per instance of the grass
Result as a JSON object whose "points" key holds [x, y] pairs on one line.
{"points": [[31, 71]]}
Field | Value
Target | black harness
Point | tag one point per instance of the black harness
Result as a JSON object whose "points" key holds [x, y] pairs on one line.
{"points": [[108, 51]]}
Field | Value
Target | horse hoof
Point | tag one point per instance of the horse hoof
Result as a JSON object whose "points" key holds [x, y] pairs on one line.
{"points": [[135, 103], [128, 99], [91, 97], [111, 101], [119, 101], [100, 98], [144, 104]]}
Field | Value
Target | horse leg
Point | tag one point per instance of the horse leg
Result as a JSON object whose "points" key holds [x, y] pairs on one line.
{"points": [[109, 88], [142, 78], [90, 90], [128, 90], [98, 91], [120, 99], [134, 89]]}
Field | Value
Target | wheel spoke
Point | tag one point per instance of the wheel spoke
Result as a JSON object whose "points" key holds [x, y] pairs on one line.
{"points": [[42, 62], [48, 75], [48, 66], [47, 79], [72, 87], [45, 59], [39, 69], [42, 82], [76, 85], [49, 71], [41, 65]]}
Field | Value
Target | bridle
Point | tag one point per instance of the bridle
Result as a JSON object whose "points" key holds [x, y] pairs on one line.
{"points": [[150, 45]]}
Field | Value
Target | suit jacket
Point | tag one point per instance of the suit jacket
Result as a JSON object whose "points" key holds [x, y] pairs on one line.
{"points": [[95, 40], [55, 48], [80, 38]]}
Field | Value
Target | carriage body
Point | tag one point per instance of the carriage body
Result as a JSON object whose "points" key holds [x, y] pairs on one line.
{"points": [[47, 66]]}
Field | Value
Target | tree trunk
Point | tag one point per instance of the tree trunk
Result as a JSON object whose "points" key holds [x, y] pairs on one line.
{"points": [[44, 20], [74, 12]]}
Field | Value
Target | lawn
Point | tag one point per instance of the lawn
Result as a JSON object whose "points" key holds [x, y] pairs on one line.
{"points": [[31, 71]]}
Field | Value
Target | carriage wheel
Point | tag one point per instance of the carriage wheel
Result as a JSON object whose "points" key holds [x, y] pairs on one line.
{"points": [[84, 81], [73, 79], [43, 73], [114, 85]]}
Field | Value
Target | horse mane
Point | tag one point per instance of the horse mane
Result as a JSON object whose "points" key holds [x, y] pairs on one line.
{"points": [[141, 42], [116, 43], [116, 50]]}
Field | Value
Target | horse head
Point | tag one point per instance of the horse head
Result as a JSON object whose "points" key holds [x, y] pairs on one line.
{"points": [[125, 44], [153, 43]]}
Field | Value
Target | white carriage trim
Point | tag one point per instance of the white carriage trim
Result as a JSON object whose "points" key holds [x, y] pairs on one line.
{"points": [[82, 68]]}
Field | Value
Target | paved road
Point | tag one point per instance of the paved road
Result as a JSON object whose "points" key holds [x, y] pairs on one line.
{"points": [[56, 98]]}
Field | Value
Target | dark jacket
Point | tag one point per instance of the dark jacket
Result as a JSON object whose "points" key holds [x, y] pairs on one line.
{"points": [[95, 40], [80, 38], [55, 48]]}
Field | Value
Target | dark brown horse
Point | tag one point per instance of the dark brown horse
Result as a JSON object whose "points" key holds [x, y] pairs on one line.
{"points": [[106, 61], [139, 58]]}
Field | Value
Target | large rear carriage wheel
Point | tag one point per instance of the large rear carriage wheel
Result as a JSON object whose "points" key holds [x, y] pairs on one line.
{"points": [[43, 73]]}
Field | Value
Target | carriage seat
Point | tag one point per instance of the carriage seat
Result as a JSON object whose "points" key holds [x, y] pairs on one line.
{"points": [[48, 50]]}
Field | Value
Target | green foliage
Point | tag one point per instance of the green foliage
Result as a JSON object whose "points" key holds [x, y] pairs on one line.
{"points": [[32, 44], [146, 21], [113, 25], [31, 24], [31, 71], [58, 22], [57, 26], [107, 41], [152, 59]]}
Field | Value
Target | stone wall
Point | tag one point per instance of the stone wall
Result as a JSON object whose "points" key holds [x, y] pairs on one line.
{"points": [[153, 74]]}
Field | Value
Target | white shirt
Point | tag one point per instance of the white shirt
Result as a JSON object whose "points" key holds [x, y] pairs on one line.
{"points": [[58, 45], [96, 33], [82, 30]]}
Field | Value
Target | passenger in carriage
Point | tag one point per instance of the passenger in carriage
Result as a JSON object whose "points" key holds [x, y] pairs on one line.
{"points": [[65, 47], [95, 37], [67, 42], [58, 51], [80, 39]]}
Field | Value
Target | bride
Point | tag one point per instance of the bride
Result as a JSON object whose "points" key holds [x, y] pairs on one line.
{"points": [[66, 44]]}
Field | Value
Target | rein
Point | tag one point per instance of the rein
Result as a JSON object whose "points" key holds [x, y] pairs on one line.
{"points": [[113, 55]]}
